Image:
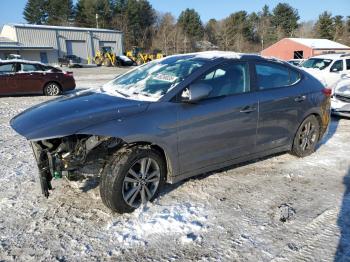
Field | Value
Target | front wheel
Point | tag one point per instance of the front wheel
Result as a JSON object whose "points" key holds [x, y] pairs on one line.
{"points": [[52, 89], [306, 138], [131, 178]]}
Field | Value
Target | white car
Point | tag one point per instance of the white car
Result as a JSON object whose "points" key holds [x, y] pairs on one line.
{"points": [[340, 101], [329, 68]]}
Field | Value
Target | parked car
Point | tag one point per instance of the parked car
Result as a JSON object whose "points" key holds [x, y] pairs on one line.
{"points": [[296, 62], [28, 77], [174, 118], [123, 60], [340, 101], [70, 61], [329, 68]]}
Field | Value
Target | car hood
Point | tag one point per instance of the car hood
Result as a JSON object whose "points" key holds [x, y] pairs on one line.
{"points": [[67, 115]]}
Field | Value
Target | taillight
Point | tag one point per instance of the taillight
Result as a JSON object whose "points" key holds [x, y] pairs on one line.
{"points": [[327, 92], [68, 73]]}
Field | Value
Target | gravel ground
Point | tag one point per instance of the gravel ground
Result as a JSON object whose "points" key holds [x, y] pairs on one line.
{"points": [[279, 208]]}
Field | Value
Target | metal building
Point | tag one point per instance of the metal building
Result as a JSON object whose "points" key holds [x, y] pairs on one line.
{"points": [[48, 43]]}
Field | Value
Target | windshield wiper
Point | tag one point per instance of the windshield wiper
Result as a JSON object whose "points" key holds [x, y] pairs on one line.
{"points": [[125, 95], [144, 94]]}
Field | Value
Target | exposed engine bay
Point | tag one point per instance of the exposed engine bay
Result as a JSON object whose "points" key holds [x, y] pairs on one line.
{"points": [[60, 156]]}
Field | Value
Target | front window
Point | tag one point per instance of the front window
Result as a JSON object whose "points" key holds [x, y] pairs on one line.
{"points": [[154, 79], [318, 63], [227, 79], [337, 66]]}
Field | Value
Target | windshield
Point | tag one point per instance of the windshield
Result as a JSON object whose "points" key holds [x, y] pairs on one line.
{"points": [[319, 63], [154, 79]]}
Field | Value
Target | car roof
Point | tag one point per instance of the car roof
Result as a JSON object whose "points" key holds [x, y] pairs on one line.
{"points": [[329, 56], [214, 55], [21, 61]]}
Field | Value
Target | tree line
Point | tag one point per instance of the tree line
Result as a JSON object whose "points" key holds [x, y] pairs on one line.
{"points": [[145, 27]]}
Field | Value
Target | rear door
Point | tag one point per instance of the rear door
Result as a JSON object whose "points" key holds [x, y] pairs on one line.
{"points": [[282, 101], [8, 83], [30, 78], [221, 127]]}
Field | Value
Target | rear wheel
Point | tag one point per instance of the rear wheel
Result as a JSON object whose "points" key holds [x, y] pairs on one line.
{"points": [[306, 138], [131, 178], [52, 89]]}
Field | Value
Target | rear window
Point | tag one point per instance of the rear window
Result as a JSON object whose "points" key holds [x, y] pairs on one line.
{"points": [[7, 68], [52, 69], [274, 76]]}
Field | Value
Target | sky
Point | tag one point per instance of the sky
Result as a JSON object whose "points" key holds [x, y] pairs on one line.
{"points": [[11, 10]]}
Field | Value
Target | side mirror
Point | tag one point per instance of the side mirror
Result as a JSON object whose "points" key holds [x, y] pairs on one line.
{"points": [[334, 70], [196, 92]]}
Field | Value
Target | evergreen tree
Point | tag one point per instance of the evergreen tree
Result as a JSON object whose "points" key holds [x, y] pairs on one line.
{"points": [[211, 31], [140, 16], [60, 12], [35, 12], [285, 18], [190, 22], [338, 26], [86, 11], [325, 26]]}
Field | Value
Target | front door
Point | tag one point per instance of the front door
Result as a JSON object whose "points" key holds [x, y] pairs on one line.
{"points": [[335, 73], [222, 126]]}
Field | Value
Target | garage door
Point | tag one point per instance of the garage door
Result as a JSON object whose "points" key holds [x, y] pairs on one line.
{"points": [[107, 43], [78, 48]]}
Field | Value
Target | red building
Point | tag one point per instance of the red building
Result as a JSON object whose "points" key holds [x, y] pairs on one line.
{"points": [[298, 48]]}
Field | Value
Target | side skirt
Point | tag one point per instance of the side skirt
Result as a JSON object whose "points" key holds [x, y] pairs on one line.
{"points": [[211, 168]]}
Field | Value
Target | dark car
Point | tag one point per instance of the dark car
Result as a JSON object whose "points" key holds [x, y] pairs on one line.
{"points": [[26, 77], [70, 61], [123, 60], [174, 118]]}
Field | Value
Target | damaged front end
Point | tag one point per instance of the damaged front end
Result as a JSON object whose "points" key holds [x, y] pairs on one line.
{"points": [[61, 156]]}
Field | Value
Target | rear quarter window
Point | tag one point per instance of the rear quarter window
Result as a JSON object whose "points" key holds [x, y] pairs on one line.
{"points": [[270, 75]]}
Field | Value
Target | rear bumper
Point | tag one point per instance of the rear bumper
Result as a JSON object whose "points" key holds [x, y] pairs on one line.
{"points": [[68, 85]]}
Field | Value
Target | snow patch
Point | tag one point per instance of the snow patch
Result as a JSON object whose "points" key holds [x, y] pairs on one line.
{"points": [[185, 221]]}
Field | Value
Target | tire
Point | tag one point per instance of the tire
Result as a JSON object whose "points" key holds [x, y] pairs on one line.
{"points": [[107, 62], [306, 138], [118, 182], [52, 89]]}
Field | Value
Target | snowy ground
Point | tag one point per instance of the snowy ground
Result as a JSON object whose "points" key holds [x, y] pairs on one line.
{"points": [[279, 208]]}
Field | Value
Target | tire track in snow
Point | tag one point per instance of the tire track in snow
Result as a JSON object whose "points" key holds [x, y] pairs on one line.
{"points": [[317, 240]]}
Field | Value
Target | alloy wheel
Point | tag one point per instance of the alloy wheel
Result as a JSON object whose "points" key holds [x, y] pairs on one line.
{"points": [[52, 90], [307, 136], [141, 182]]}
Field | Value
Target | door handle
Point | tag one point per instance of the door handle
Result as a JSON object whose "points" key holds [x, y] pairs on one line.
{"points": [[247, 109], [300, 98]]}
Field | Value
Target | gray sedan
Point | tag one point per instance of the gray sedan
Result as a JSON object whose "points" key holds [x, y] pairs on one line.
{"points": [[174, 118]]}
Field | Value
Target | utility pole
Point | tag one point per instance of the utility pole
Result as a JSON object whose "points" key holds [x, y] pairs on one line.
{"points": [[96, 20]]}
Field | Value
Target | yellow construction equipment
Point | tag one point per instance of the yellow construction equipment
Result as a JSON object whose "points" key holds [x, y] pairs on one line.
{"points": [[140, 57], [106, 57]]}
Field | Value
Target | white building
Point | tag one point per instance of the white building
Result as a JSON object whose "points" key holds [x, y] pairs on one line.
{"points": [[48, 43]]}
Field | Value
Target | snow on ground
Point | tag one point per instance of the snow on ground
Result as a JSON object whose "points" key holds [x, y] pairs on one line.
{"points": [[279, 208]]}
